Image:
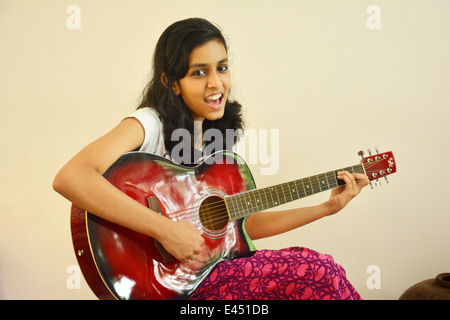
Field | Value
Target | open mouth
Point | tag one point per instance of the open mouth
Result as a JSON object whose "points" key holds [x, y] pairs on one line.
{"points": [[214, 100]]}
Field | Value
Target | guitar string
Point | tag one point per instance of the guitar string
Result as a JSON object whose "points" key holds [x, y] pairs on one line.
{"points": [[219, 213], [281, 188], [218, 208], [220, 219], [286, 191]]}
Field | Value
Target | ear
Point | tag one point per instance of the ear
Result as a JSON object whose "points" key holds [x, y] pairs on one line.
{"points": [[175, 86]]}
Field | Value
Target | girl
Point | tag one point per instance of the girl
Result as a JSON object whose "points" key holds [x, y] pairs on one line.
{"points": [[190, 87]]}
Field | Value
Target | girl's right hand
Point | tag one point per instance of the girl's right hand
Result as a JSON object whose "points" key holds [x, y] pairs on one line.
{"points": [[182, 240]]}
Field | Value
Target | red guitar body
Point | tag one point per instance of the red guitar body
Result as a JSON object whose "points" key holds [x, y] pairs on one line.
{"points": [[118, 263], [214, 196]]}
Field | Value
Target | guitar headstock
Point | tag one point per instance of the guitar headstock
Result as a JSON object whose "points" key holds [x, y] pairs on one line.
{"points": [[379, 165]]}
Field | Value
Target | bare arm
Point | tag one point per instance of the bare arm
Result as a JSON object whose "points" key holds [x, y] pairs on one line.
{"points": [[81, 182], [267, 224]]}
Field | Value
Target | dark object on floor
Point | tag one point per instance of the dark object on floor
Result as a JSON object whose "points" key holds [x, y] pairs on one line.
{"points": [[431, 289]]}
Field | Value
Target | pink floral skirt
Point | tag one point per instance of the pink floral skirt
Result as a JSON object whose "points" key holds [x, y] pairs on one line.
{"points": [[294, 273]]}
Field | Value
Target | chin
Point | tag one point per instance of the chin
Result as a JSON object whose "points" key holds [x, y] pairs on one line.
{"points": [[215, 116]]}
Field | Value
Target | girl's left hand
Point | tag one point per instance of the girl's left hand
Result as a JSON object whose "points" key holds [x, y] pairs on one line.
{"points": [[342, 195]]}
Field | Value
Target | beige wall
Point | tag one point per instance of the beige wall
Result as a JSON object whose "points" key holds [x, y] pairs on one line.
{"points": [[310, 70]]}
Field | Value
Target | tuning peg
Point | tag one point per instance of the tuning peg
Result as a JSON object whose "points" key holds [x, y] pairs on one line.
{"points": [[378, 183], [387, 181], [361, 154], [371, 185], [370, 152], [376, 149]]}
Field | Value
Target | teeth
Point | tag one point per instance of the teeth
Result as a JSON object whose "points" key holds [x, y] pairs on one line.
{"points": [[215, 97]]}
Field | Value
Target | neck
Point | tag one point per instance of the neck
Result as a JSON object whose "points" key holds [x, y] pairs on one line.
{"points": [[252, 201], [198, 133]]}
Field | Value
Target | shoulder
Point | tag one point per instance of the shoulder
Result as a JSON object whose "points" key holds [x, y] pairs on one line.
{"points": [[153, 129], [149, 120], [147, 116]]}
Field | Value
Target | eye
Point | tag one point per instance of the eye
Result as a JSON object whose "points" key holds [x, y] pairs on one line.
{"points": [[222, 68], [199, 73]]}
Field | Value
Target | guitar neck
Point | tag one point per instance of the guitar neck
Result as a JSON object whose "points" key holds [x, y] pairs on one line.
{"points": [[252, 201]]}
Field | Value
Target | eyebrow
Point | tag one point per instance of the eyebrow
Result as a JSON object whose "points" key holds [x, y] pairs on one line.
{"points": [[201, 65]]}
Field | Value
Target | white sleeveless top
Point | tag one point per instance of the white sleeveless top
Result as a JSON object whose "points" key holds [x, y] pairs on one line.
{"points": [[153, 131]]}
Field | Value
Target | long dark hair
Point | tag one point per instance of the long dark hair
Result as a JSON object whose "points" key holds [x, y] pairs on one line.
{"points": [[171, 58]]}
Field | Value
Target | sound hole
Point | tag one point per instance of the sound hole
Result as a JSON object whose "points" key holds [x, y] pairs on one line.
{"points": [[213, 213]]}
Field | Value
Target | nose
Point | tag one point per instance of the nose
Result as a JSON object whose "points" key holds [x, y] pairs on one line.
{"points": [[214, 80]]}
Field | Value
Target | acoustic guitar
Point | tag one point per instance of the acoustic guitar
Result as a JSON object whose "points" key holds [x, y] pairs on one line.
{"points": [[215, 196]]}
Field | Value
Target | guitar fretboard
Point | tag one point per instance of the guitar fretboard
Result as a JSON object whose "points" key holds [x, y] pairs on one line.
{"points": [[252, 201]]}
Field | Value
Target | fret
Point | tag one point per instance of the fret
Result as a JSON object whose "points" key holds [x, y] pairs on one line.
{"points": [[360, 169], [293, 191], [231, 209], [235, 203], [249, 202], [271, 196], [245, 206], [326, 179], [264, 199], [315, 184], [284, 188], [241, 207], [307, 186], [300, 188], [256, 201], [277, 197], [349, 169], [322, 182], [332, 179]]}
